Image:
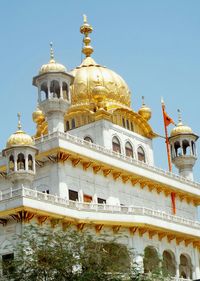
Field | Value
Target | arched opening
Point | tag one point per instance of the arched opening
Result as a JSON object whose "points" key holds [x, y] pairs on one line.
{"points": [[65, 91], [185, 267], [186, 147], [127, 125], [132, 127], [141, 154], [55, 89], [88, 139], [67, 126], [11, 163], [44, 91], [178, 149], [172, 152], [30, 162], [20, 162], [73, 124], [151, 259], [116, 145], [129, 149], [169, 263], [123, 123]]}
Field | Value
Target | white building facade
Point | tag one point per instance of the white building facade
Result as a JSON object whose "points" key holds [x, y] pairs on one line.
{"points": [[91, 166]]}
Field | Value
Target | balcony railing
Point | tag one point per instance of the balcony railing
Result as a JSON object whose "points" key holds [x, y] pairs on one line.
{"points": [[10, 194], [103, 150]]}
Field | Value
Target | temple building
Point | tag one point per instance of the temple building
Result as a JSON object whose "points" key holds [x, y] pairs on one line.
{"points": [[90, 165]]}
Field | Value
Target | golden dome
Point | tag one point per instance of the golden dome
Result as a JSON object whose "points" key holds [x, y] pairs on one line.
{"points": [[87, 77], [90, 74], [180, 128], [38, 116], [145, 111], [52, 66], [19, 138]]}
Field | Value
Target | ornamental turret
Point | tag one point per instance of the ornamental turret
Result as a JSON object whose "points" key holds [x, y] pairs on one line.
{"points": [[20, 154], [54, 98], [183, 148]]}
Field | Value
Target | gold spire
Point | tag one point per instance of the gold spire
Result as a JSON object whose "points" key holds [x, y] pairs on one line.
{"points": [[19, 126], [145, 111], [86, 29]]}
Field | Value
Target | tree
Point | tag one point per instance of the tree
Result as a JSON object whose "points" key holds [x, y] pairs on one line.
{"points": [[47, 254]]}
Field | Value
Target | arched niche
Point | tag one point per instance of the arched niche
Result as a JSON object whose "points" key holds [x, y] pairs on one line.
{"points": [[20, 161], [185, 266], [88, 139], [30, 162], [186, 147], [116, 144], [55, 89], [129, 149], [44, 91], [151, 259], [65, 91], [141, 154], [11, 163], [169, 263]]}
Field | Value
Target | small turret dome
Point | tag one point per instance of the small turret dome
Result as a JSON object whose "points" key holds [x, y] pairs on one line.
{"points": [[19, 138], [145, 111], [180, 128], [52, 65], [38, 116]]}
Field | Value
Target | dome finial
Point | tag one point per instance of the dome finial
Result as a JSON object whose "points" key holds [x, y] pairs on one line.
{"points": [[179, 116], [86, 29], [51, 52], [19, 126], [143, 103]]}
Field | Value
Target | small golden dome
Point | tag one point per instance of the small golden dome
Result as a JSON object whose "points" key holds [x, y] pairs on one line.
{"points": [[38, 116], [180, 128], [19, 138], [52, 66], [145, 111]]}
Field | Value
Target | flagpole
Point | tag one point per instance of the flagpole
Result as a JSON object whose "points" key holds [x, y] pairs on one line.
{"points": [[166, 137]]}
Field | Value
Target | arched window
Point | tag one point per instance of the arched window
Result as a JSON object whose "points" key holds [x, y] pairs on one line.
{"points": [[11, 163], [88, 139], [67, 126], [116, 145], [185, 267], [127, 125], [186, 147], [20, 162], [193, 148], [178, 149], [30, 162], [44, 91], [141, 154], [169, 263], [151, 259], [132, 128], [129, 149], [55, 89], [65, 91], [73, 124], [123, 123]]}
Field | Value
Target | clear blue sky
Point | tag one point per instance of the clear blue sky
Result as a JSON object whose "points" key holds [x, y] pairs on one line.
{"points": [[154, 45]]}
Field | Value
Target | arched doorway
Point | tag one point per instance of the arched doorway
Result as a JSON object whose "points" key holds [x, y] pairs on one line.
{"points": [[151, 259], [169, 263], [185, 267]]}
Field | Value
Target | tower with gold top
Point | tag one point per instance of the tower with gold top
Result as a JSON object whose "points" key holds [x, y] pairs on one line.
{"points": [[90, 166], [54, 97]]}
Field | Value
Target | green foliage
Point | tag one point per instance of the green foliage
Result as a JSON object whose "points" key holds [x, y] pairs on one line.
{"points": [[46, 254]]}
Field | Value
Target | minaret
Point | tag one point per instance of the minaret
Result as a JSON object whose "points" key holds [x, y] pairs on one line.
{"points": [[183, 148], [20, 154], [54, 98]]}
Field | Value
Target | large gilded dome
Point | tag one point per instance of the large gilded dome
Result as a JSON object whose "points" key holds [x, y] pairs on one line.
{"points": [[90, 74]]}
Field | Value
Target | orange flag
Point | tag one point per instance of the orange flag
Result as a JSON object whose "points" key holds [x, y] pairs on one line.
{"points": [[168, 120]]}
